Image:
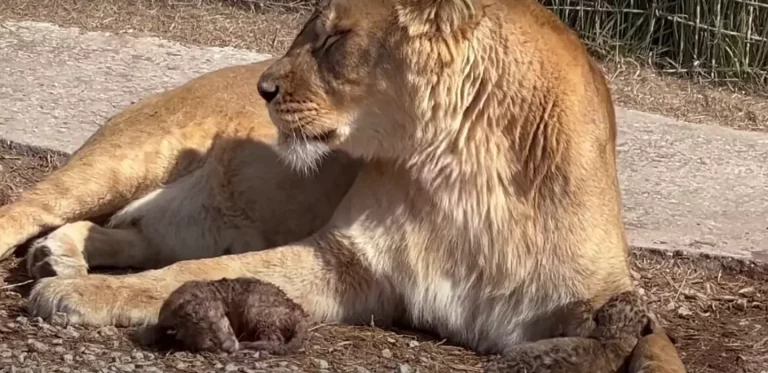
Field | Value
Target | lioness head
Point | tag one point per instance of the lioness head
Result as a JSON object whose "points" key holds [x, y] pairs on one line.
{"points": [[368, 76]]}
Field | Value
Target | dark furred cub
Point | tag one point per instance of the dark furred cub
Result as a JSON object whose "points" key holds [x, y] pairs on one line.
{"points": [[618, 325], [232, 314]]}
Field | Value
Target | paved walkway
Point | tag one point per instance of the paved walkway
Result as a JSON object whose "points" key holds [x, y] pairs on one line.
{"points": [[685, 186]]}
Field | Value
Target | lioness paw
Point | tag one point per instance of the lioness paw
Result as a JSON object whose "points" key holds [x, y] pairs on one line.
{"points": [[55, 255], [95, 300]]}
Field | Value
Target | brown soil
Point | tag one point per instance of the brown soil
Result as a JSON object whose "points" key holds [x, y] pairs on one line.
{"points": [[716, 307], [268, 26]]}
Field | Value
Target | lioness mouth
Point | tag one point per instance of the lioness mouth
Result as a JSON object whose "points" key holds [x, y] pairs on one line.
{"points": [[318, 137]]}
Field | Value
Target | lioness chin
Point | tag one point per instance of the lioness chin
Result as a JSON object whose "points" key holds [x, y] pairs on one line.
{"points": [[481, 199]]}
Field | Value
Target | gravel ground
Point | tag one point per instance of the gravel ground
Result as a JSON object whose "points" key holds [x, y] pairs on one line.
{"points": [[717, 308]]}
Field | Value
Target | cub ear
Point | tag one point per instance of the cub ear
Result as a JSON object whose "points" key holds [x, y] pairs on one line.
{"points": [[435, 16]]}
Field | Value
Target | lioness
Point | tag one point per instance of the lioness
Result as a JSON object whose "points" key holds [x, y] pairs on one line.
{"points": [[482, 195]]}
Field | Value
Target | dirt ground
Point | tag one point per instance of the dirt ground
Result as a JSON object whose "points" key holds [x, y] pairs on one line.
{"points": [[716, 308], [271, 27]]}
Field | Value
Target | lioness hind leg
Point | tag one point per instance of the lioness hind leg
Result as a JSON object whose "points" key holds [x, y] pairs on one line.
{"points": [[70, 250]]}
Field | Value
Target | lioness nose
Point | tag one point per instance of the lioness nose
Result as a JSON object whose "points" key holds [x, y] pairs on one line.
{"points": [[268, 88]]}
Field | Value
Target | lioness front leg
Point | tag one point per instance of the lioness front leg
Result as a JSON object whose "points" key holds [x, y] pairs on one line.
{"points": [[70, 250], [323, 275]]}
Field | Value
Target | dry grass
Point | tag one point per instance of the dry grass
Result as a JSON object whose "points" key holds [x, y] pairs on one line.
{"points": [[640, 87], [269, 28], [23, 165], [722, 40]]}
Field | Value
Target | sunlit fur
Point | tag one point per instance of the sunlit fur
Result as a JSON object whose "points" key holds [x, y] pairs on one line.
{"points": [[487, 198]]}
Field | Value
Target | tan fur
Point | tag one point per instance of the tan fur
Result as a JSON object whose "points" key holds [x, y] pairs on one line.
{"points": [[655, 353], [486, 200]]}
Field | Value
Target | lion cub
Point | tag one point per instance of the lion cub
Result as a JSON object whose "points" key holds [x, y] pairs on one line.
{"points": [[618, 325], [232, 314], [655, 353]]}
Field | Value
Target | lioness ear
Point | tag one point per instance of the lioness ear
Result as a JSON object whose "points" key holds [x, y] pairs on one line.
{"points": [[435, 16]]}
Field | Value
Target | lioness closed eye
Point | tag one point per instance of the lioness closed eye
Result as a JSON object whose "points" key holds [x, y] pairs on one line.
{"points": [[449, 163]]}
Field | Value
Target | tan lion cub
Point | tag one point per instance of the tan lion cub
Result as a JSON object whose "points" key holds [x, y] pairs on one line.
{"points": [[618, 325], [655, 353], [232, 314]]}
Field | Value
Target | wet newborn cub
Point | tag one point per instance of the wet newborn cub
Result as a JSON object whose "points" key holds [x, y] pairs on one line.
{"points": [[618, 325], [233, 314]]}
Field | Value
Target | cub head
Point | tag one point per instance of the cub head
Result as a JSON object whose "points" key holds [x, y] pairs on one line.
{"points": [[369, 77], [624, 315]]}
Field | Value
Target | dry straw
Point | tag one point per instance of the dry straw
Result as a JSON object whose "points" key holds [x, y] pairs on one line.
{"points": [[715, 39]]}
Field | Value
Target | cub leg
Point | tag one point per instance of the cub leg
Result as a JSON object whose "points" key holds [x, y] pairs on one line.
{"points": [[655, 353], [70, 250], [323, 275]]}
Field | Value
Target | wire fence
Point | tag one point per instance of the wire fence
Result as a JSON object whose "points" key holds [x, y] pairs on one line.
{"points": [[716, 39]]}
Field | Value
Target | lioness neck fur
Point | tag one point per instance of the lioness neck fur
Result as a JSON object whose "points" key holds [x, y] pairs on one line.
{"points": [[487, 197]]}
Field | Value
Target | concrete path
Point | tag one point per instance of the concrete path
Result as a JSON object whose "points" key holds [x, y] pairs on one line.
{"points": [[685, 186]]}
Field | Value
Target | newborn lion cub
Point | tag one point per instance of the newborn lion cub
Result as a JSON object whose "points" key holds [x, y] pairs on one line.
{"points": [[618, 325], [214, 315], [655, 353]]}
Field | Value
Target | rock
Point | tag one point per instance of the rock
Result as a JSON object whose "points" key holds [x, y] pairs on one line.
{"points": [[230, 368], [320, 363], [107, 331], [403, 368], [683, 311], [386, 353], [362, 370], [126, 368], [69, 359], [68, 333], [413, 344], [37, 346]]}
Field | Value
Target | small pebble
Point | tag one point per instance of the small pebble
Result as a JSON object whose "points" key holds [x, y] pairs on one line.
{"points": [[684, 312], [37, 346], [320, 363], [403, 368], [386, 353]]}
